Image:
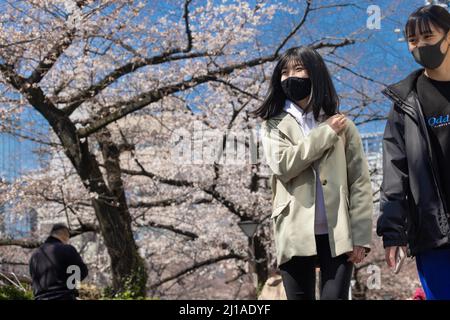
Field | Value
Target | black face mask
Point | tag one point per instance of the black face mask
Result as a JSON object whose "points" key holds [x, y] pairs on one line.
{"points": [[296, 89], [430, 56]]}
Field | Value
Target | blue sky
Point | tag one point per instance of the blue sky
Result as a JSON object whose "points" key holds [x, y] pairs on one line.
{"points": [[380, 55]]}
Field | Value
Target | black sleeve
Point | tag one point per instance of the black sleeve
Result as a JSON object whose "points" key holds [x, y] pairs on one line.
{"points": [[31, 266], [391, 223], [74, 258]]}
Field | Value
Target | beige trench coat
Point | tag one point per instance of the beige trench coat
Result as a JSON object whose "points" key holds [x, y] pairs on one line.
{"points": [[345, 180]]}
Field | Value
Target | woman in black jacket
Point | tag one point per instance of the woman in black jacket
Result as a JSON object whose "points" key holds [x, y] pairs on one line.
{"points": [[415, 193]]}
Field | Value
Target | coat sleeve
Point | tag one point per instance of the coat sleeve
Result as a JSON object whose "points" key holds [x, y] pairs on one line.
{"points": [[287, 160], [31, 266], [74, 258], [359, 188], [391, 223]]}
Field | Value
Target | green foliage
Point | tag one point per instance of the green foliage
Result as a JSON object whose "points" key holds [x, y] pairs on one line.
{"points": [[10, 292], [133, 287]]}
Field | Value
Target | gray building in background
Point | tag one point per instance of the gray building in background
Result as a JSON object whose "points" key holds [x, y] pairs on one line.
{"points": [[10, 157], [11, 225]]}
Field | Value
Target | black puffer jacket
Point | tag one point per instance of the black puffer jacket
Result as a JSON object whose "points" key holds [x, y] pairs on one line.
{"points": [[412, 209]]}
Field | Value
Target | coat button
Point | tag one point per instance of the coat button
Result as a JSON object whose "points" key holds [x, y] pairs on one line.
{"points": [[324, 182]]}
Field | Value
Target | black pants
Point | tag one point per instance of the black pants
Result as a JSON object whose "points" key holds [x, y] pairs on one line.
{"points": [[299, 274]]}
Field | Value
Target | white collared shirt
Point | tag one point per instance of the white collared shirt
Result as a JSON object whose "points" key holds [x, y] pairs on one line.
{"points": [[306, 120], [307, 123]]}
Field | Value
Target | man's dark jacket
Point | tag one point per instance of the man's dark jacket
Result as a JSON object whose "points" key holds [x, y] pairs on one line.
{"points": [[412, 210], [49, 270]]}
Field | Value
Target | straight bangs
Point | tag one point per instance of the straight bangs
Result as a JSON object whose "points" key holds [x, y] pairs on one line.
{"points": [[288, 61], [423, 18], [421, 23]]}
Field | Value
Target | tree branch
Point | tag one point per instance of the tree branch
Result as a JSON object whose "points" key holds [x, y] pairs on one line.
{"points": [[24, 243], [197, 266], [165, 202], [126, 107], [354, 72], [114, 75], [211, 190], [167, 56], [188, 29], [294, 31], [171, 228], [55, 52], [51, 57], [145, 173]]}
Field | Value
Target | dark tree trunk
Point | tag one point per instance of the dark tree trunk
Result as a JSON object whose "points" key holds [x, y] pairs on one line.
{"points": [[262, 270], [128, 268]]}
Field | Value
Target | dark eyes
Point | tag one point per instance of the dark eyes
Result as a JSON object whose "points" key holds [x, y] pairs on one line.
{"points": [[299, 69], [428, 36]]}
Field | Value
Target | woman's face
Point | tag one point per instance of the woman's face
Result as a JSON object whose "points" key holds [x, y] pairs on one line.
{"points": [[293, 70], [421, 40]]}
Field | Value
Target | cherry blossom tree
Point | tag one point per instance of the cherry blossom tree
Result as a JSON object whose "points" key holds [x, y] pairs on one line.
{"points": [[125, 86]]}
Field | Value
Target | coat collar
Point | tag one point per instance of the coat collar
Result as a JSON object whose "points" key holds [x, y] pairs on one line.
{"points": [[401, 90], [52, 239], [287, 124]]}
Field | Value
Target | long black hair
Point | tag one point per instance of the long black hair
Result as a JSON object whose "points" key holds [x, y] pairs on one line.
{"points": [[425, 16], [323, 95]]}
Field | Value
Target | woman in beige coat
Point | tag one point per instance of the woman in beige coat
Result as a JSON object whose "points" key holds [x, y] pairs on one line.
{"points": [[321, 190]]}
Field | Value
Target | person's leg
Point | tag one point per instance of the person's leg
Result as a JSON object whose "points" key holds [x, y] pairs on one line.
{"points": [[335, 273], [433, 267], [299, 278]]}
